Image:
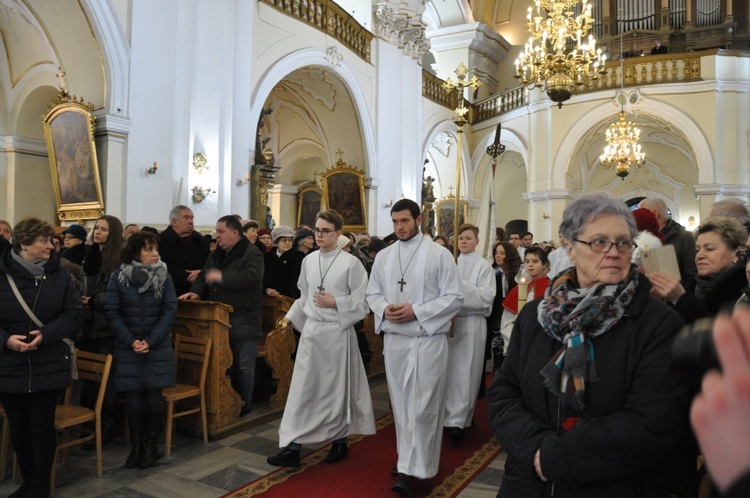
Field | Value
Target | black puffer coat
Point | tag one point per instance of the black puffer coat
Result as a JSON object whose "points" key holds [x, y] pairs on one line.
{"points": [[634, 416], [57, 303], [145, 317]]}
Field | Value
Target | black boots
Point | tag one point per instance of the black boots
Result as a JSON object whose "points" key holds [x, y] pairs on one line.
{"points": [[150, 454], [135, 422]]}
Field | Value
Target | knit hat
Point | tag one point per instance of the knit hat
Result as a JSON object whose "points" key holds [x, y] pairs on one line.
{"points": [[342, 241], [301, 234], [76, 231], [646, 220], [282, 231]]}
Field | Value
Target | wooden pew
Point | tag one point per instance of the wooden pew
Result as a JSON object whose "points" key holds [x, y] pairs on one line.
{"points": [[277, 345], [211, 319]]}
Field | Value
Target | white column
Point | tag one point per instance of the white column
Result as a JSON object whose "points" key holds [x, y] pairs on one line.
{"points": [[283, 199]]}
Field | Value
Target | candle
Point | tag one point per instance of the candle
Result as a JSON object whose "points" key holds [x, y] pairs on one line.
{"points": [[155, 166], [523, 293]]}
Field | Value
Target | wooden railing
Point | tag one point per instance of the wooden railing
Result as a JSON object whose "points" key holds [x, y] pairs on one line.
{"points": [[432, 89], [651, 70], [331, 19]]}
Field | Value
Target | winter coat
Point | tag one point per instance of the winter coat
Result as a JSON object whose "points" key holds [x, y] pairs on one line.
{"points": [[94, 284], [634, 415], [57, 304], [181, 255], [75, 254], [279, 273], [684, 247], [145, 317], [692, 307], [241, 287]]}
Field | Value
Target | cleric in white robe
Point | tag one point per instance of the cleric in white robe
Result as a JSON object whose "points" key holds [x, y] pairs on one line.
{"points": [[329, 397], [414, 292], [466, 346]]}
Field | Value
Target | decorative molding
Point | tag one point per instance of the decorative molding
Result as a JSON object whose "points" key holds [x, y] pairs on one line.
{"points": [[21, 145], [313, 81], [442, 143], [333, 57], [548, 195], [403, 29]]}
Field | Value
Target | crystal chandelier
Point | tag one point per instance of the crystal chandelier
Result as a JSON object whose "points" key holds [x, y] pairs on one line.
{"points": [[623, 150], [547, 63]]}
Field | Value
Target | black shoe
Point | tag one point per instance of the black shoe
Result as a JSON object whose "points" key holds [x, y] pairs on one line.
{"points": [[244, 411], [394, 470], [150, 451], [456, 433], [402, 485], [338, 452], [286, 458], [21, 491]]}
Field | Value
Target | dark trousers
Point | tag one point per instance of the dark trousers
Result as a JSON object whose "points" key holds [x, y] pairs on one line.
{"points": [[242, 371], [140, 402], [31, 417]]}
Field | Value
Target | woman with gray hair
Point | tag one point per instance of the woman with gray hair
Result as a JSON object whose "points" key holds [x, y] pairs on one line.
{"points": [[586, 403], [34, 360], [720, 279]]}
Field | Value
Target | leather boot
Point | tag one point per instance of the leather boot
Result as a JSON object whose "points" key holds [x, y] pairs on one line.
{"points": [[150, 453], [135, 422]]}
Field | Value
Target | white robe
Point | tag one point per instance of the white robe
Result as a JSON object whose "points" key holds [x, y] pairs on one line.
{"points": [[416, 352], [466, 347], [329, 397]]}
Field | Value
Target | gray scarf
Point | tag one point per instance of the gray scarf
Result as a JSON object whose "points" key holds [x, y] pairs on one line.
{"points": [[36, 269], [144, 277]]}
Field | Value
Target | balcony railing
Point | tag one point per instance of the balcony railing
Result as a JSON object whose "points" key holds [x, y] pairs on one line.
{"points": [[432, 89], [652, 70], [499, 104], [328, 17]]}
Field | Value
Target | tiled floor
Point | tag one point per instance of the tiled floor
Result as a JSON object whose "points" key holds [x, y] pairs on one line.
{"points": [[196, 470]]}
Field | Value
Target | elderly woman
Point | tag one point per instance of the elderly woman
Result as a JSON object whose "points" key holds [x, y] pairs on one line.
{"points": [[586, 403], [6, 234], [720, 279], [141, 306], [34, 360]]}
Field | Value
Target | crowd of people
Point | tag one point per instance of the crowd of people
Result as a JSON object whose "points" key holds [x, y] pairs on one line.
{"points": [[585, 398]]}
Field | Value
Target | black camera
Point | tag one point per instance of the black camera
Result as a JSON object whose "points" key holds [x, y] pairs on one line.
{"points": [[693, 349]]}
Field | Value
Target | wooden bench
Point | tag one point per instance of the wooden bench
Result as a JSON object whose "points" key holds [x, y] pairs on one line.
{"points": [[277, 346]]}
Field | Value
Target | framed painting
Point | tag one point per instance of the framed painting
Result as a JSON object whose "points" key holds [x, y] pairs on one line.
{"points": [[69, 133], [310, 201], [444, 214], [344, 191]]}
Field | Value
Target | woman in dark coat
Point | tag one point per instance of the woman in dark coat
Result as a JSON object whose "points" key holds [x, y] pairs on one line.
{"points": [[506, 265], [587, 403], [141, 307], [720, 279], [102, 258], [34, 361]]}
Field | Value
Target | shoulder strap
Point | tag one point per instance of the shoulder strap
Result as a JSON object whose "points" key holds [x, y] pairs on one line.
{"points": [[22, 301]]}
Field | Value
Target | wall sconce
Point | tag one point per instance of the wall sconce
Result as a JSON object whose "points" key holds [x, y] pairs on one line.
{"points": [[246, 181], [691, 221], [200, 193], [200, 161], [545, 216], [388, 204], [152, 169]]}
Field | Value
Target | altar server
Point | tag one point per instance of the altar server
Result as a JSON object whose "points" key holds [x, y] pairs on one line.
{"points": [[414, 292], [329, 397], [466, 346]]}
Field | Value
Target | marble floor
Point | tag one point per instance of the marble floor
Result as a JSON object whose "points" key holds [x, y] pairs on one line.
{"points": [[196, 470]]}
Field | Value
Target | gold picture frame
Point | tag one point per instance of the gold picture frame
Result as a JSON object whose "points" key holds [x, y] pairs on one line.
{"points": [[444, 215], [344, 191], [69, 126], [310, 202]]}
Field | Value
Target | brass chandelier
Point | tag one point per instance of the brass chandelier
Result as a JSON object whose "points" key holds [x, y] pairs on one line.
{"points": [[558, 57], [623, 151]]}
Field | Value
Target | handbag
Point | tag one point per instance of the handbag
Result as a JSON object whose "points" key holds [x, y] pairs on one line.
{"points": [[68, 343]]}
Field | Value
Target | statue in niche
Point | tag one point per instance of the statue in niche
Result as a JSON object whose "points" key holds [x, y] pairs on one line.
{"points": [[259, 145], [269, 219]]}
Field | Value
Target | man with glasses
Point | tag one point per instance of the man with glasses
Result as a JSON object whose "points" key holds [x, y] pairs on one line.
{"points": [[329, 397]]}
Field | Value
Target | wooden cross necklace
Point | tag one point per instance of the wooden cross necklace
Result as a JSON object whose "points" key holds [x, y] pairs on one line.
{"points": [[402, 282], [320, 269]]}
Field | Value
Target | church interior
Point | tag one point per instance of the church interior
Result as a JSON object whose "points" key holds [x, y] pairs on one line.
{"points": [[242, 106]]}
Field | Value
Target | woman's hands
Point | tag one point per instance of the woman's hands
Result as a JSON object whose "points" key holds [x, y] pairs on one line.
{"points": [[666, 287], [140, 347], [538, 465], [18, 342]]}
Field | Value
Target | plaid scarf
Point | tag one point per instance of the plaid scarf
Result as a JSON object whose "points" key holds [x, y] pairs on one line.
{"points": [[574, 316], [144, 277]]}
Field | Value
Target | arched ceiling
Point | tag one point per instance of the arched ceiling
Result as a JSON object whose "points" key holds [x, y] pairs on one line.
{"points": [[34, 41]]}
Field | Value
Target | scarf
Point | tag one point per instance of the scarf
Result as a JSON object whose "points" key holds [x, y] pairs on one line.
{"points": [[144, 277], [574, 316], [706, 286], [36, 269]]}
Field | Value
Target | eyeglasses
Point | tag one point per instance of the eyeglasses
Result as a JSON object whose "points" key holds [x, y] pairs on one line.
{"points": [[323, 231], [604, 245]]}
